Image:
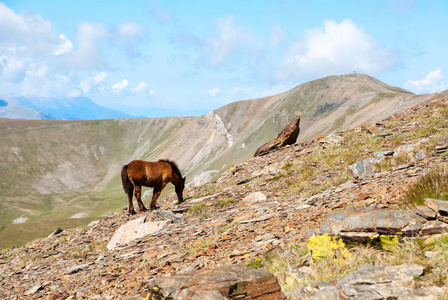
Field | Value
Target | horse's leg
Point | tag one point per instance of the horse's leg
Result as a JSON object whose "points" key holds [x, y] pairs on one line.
{"points": [[131, 210], [155, 195], [138, 195]]}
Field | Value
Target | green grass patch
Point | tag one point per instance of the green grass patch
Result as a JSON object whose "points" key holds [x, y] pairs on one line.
{"points": [[197, 209], [223, 202]]}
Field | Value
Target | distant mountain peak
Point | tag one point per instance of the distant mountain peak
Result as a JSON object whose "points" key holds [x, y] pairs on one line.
{"points": [[70, 108]]}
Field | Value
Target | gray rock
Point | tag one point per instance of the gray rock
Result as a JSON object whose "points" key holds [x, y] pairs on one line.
{"points": [[255, 197], [135, 229], [371, 219], [77, 268], [409, 150], [168, 215], [433, 227], [37, 287], [335, 138], [440, 206], [365, 167], [425, 212]]}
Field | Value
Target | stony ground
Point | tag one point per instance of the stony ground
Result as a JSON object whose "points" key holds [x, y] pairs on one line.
{"points": [[265, 203]]}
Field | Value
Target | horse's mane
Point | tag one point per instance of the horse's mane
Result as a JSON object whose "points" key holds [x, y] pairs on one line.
{"points": [[174, 166]]}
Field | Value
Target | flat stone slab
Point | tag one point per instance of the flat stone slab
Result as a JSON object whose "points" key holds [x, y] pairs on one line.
{"points": [[228, 282], [135, 229], [440, 206], [371, 219], [425, 212]]}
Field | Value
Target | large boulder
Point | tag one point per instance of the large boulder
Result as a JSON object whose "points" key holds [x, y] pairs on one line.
{"points": [[227, 282], [288, 136], [135, 229]]}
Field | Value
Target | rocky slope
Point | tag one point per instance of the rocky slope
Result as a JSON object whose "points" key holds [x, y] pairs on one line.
{"points": [[262, 205], [50, 166]]}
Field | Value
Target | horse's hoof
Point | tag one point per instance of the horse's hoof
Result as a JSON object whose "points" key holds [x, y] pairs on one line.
{"points": [[179, 202], [132, 212], [143, 209], [153, 208]]}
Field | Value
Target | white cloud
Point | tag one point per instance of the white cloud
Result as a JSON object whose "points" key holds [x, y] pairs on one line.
{"points": [[120, 86], [432, 83], [230, 38], [28, 32], [36, 60], [26, 44], [214, 92], [99, 77], [88, 53], [337, 48], [142, 89], [90, 83], [11, 68], [65, 47]]}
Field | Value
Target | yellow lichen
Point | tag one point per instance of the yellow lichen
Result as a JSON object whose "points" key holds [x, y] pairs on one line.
{"points": [[325, 246], [389, 243]]}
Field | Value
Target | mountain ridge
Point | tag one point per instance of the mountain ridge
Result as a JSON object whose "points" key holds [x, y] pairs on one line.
{"points": [[70, 108]]}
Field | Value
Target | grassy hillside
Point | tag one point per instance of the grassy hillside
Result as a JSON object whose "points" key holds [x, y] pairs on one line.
{"points": [[57, 169]]}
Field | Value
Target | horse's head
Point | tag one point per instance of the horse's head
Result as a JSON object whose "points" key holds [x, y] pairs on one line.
{"points": [[180, 190]]}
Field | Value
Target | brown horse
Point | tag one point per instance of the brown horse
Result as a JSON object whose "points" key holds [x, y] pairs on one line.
{"points": [[157, 174]]}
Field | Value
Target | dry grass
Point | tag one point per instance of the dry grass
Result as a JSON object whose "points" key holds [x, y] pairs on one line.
{"points": [[392, 254], [432, 185], [199, 246]]}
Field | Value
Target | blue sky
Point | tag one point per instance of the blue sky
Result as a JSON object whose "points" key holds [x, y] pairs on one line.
{"points": [[159, 58]]}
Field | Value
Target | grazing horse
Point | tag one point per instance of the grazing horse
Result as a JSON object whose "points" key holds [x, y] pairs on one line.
{"points": [[157, 174]]}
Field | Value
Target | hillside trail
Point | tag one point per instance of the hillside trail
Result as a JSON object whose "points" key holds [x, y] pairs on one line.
{"points": [[252, 208]]}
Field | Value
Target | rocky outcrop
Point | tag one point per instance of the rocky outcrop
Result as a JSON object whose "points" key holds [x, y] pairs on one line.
{"points": [[370, 166], [372, 282], [288, 136], [363, 224], [228, 282]]}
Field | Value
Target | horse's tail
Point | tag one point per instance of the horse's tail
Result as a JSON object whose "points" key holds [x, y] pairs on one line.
{"points": [[128, 187]]}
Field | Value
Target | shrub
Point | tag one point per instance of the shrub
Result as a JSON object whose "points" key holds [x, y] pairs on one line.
{"points": [[198, 209], [288, 166], [223, 202], [432, 185], [255, 263]]}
